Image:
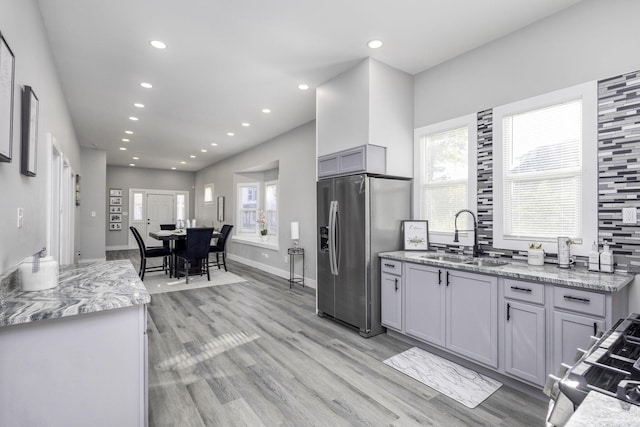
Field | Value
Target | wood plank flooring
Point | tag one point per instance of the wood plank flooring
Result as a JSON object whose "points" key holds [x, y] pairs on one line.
{"points": [[256, 354]]}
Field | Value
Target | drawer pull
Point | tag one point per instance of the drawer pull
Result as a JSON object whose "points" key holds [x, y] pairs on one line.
{"points": [[439, 277], [390, 265], [447, 278], [518, 288], [396, 284], [570, 298]]}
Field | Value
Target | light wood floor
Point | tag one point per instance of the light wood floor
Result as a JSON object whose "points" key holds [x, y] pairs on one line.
{"points": [[255, 353]]}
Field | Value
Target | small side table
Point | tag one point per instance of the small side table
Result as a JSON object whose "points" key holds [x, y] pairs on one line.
{"points": [[293, 252]]}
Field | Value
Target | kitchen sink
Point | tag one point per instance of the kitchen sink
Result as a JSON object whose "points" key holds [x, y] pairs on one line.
{"points": [[485, 262], [480, 262], [440, 257]]}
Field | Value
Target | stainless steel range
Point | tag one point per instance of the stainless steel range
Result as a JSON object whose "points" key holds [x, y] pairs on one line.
{"points": [[611, 366]]}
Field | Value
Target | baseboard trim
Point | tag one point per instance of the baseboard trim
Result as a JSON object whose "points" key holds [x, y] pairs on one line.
{"points": [[269, 269], [118, 248]]}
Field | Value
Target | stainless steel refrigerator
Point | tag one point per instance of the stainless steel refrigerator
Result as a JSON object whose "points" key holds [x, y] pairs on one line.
{"points": [[358, 217]]}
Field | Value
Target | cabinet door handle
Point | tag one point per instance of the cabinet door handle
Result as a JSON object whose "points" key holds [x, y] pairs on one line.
{"points": [[595, 329], [396, 284], [518, 288], [439, 277], [584, 300], [447, 278], [508, 311]]}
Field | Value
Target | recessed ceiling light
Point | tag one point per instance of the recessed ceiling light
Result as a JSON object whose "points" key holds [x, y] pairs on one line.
{"points": [[375, 44], [266, 110], [214, 144], [123, 148], [135, 158], [192, 156], [203, 150], [135, 119], [173, 168], [183, 163], [137, 104], [125, 140], [128, 132], [303, 86], [245, 124], [158, 44], [132, 164], [146, 85], [230, 134]]}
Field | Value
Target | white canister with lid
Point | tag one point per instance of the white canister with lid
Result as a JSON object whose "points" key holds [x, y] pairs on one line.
{"points": [[46, 276]]}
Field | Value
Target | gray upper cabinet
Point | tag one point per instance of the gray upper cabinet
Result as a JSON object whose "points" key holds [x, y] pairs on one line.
{"points": [[366, 159], [370, 104]]}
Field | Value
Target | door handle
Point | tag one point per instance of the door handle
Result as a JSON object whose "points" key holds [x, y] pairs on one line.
{"points": [[439, 277], [447, 278], [595, 329], [509, 312], [397, 287]]}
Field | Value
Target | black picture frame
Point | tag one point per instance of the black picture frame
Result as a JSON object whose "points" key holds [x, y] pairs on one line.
{"points": [[30, 105], [7, 82], [220, 208], [415, 235], [77, 190]]}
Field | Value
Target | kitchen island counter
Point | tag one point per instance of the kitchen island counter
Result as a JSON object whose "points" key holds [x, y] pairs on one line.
{"points": [[577, 277], [598, 409], [83, 288]]}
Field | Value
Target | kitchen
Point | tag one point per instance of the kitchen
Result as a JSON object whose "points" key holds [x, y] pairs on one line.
{"points": [[589, 42]]}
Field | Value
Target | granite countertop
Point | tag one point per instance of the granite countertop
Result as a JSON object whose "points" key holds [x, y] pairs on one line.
{"points": [[83, 288], [598, 409], [578, 277]]}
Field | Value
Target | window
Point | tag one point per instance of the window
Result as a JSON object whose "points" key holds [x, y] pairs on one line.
{"points": [[181, 206], [208, 194], [446, 177], [138, 206], [248, 207], [545, 176], [271, 206]]}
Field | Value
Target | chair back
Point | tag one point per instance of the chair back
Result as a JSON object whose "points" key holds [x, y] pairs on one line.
{"points": [[139, 240], [198, 241], [165, 243], [222, 241]]}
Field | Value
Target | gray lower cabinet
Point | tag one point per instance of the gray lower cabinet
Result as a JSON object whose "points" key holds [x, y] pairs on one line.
{"points": [[472, 316], [570, 332], [453, 309], [525, 341], [391, 301]]}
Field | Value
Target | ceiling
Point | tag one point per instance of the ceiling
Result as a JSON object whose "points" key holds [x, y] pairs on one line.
{"points": [[226, 60]]}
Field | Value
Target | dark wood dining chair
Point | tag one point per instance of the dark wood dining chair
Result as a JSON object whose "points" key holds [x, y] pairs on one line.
{"points": [[196, 251], [150, 252], [220, 247], [166, 244]]}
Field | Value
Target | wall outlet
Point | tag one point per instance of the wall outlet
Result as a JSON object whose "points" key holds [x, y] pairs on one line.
{"points": [[629, 216]]}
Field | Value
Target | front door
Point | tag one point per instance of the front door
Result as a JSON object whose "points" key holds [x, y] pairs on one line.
{"points": [[159, 211]]}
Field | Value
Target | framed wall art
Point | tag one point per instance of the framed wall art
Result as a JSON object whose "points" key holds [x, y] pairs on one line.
{"points": [[115, 192], [115, 209], [115, 217], [415, 235], [221, 208], [7, 78], [29, 131], [114, 226], [115, 201], [77, 190]]}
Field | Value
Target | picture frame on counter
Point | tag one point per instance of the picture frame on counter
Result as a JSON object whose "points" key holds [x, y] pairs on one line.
{"points": [[415, 235], [7, 81], [30, 105]]}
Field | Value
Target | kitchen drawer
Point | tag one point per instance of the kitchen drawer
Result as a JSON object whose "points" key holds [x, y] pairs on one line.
{"points": [[391, 266], [579, 301], [524, 291]]}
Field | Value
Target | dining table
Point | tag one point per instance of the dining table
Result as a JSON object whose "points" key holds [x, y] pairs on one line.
{"points": [[172, 236]]}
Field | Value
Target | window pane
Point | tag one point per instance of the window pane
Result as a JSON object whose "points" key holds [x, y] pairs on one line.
{"points": [[137, 207], [208, 194], [441, 204], [271, 197], [248, 197], [447, 155], [248, 221], [180, 207]]}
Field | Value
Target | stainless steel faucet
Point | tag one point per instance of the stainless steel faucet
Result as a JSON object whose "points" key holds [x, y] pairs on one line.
{"points": [[476, 247]]}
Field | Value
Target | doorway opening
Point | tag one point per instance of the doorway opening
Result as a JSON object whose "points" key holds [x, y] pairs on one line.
{"points": [[150, 208]]}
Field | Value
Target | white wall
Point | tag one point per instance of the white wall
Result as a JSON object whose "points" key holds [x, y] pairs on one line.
{"points": [[22, 27], [295, 153]]}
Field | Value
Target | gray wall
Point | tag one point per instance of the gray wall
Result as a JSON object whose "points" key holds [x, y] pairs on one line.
{"points": [[153, 179], [295, 153], [92, 202], [590, 41], [23, 29]]}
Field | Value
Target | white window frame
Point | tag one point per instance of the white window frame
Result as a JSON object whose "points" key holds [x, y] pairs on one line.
{"points": [[211, 188], [588, 92], [470, 121], [239, 210], [266, 184]]}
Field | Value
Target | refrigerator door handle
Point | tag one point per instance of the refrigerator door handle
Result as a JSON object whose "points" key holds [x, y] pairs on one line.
{"points": [[336, 238], [332, 238]]}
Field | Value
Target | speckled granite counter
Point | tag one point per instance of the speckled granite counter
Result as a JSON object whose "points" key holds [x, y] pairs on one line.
{"points": [[599, 410], [84, 288], [548, 273]]}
